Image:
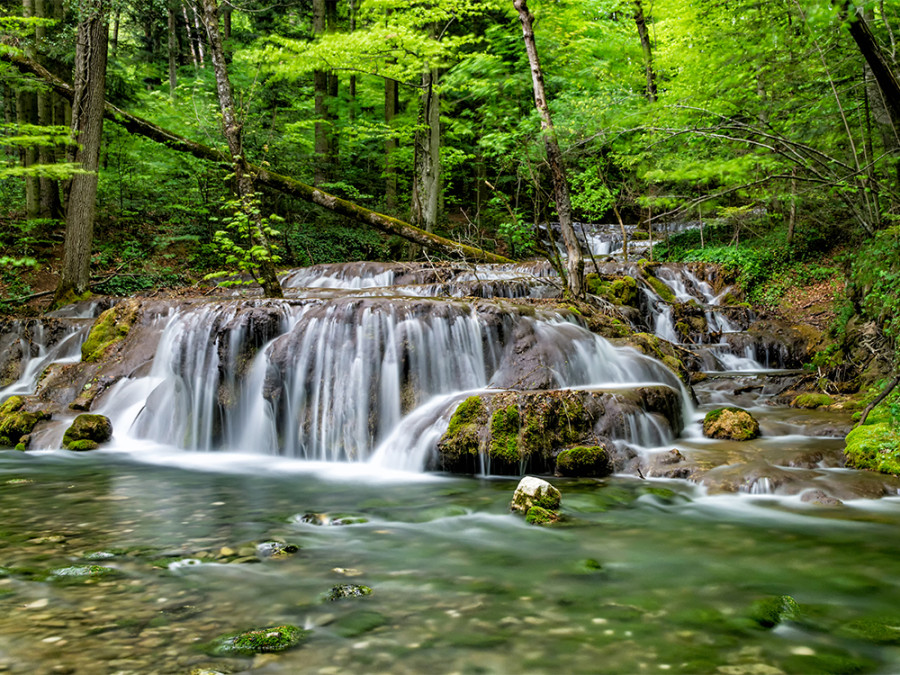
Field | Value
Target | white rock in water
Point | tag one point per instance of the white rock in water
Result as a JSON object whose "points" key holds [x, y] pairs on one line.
{"points": [[533, 491]]}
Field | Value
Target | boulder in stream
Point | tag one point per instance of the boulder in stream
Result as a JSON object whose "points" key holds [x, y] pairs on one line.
{"points": [[811, 401], [734, 424], [584, 461], [259, 640], [531, 492], [16, 423], [87, 432]]}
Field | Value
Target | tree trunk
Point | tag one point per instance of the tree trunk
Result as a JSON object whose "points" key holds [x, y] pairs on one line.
{"points": [[190, 36], [233, 136], [201, 56], [575, 262], [49, 189], [87, 128], [114, 40], [322, 131], [226, 22], [391, 108], [887, 80], [173, 54], [426, 192], [644, 35], [285, 184]]}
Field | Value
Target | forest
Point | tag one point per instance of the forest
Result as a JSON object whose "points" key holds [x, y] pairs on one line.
{"points": [[267, 268]]}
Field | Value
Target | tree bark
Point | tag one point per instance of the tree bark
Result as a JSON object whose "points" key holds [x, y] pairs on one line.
{"points": [[575, 262], [426, 191], [641, 22], [284, 184], [887, 80], [391, 108], [173, 54], [49, 189], [322, 131], [233, 136], [190, 36], [87, 129]]}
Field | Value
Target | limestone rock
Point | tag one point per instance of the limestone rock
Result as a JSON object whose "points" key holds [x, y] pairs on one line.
{"points": [[734, 424], [532, 491]]}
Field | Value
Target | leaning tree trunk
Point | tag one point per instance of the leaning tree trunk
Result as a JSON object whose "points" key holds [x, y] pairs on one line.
{"points": [[575, 262], [232, 131], [87, 129]]}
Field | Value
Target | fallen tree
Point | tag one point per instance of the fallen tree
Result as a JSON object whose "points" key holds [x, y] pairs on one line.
{"points": [[262, 176]]}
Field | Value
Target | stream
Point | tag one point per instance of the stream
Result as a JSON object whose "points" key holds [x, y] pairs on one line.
{"points": [[317, 421]]}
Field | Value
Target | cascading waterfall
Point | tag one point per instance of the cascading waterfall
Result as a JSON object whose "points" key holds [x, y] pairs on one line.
{"points": [[352, 380]]}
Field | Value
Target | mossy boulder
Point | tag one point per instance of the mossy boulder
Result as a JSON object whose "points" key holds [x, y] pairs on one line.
{"points": [[657, 348], [342, 591], [811, 401], [734, 424], [110, 328], [875, 447], [769, 612], [659, 287], [537, 515], [619, 291], [461, 440], [259, 641], [588, 461], [16, 423], [532, 491], [87, 432]]}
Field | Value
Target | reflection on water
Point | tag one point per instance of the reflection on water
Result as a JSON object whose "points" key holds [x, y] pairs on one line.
{"points": [[647, 576]]}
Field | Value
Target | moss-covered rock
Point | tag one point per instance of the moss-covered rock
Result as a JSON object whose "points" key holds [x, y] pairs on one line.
{"points": [[875, 447], [588, 461], [110, 328], [259, 640], [878, 630], [16, 423], [87, 432], [461, 440], [342, 591], [734, 424], [769, 612], [532, 491], [505, 425], [537, 515], [811, 401]]}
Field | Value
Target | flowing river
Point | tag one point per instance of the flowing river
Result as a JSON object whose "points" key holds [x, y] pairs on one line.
{"points": [[753, 558]]}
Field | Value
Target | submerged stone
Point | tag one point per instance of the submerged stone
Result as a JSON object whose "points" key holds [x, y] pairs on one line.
{"points": [[87, 432], [532, 492], [811, 401], [260, 640], [84, 571], [879, 630], [734, 424], [769, 612], [348, 591], [276, 549], [357, 623]]}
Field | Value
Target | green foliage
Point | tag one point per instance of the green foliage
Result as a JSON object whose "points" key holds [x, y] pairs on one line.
{"points": [[874, 282], [239, 242]]}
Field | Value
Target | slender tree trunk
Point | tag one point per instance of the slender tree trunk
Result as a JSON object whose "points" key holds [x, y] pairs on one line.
{"points": [[352, 85], [201, 55], [427, 180], [391, 108], [87, 128], [575, 262], [643, 33], [226, 23], [321, 148], [49, 189], [173, 53], [233, 136], [190, 35], [792, 214], [114, 40]]}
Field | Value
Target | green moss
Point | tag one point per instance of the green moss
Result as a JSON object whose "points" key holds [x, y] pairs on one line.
{"points": [[85, 571], [659, 287], [357, 623], [811, 401], [109, 328], [16, 423], [879, 630], [730, 423], [466, 412], [620, 291], [69, 298], [769, 612], [260, 640], [87, 432], [505, 434], [348, 591], [590, 461], [875, 447], [538, 515], [640, 235]]}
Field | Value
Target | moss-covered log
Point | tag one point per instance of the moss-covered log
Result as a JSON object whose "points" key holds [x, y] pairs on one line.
{"points": [[285, 184]]}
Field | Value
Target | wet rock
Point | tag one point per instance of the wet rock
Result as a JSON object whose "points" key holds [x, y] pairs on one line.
{"points": [[587, 461], [326, 519], [754, 477], [85, 571], [769, 612], [259, 641], [819, 497], [276, 549], [342, 591], [17, 423], [357, 623], [734, 424], [878, 630], [532, 492], [538, 515], [87, 432]]}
